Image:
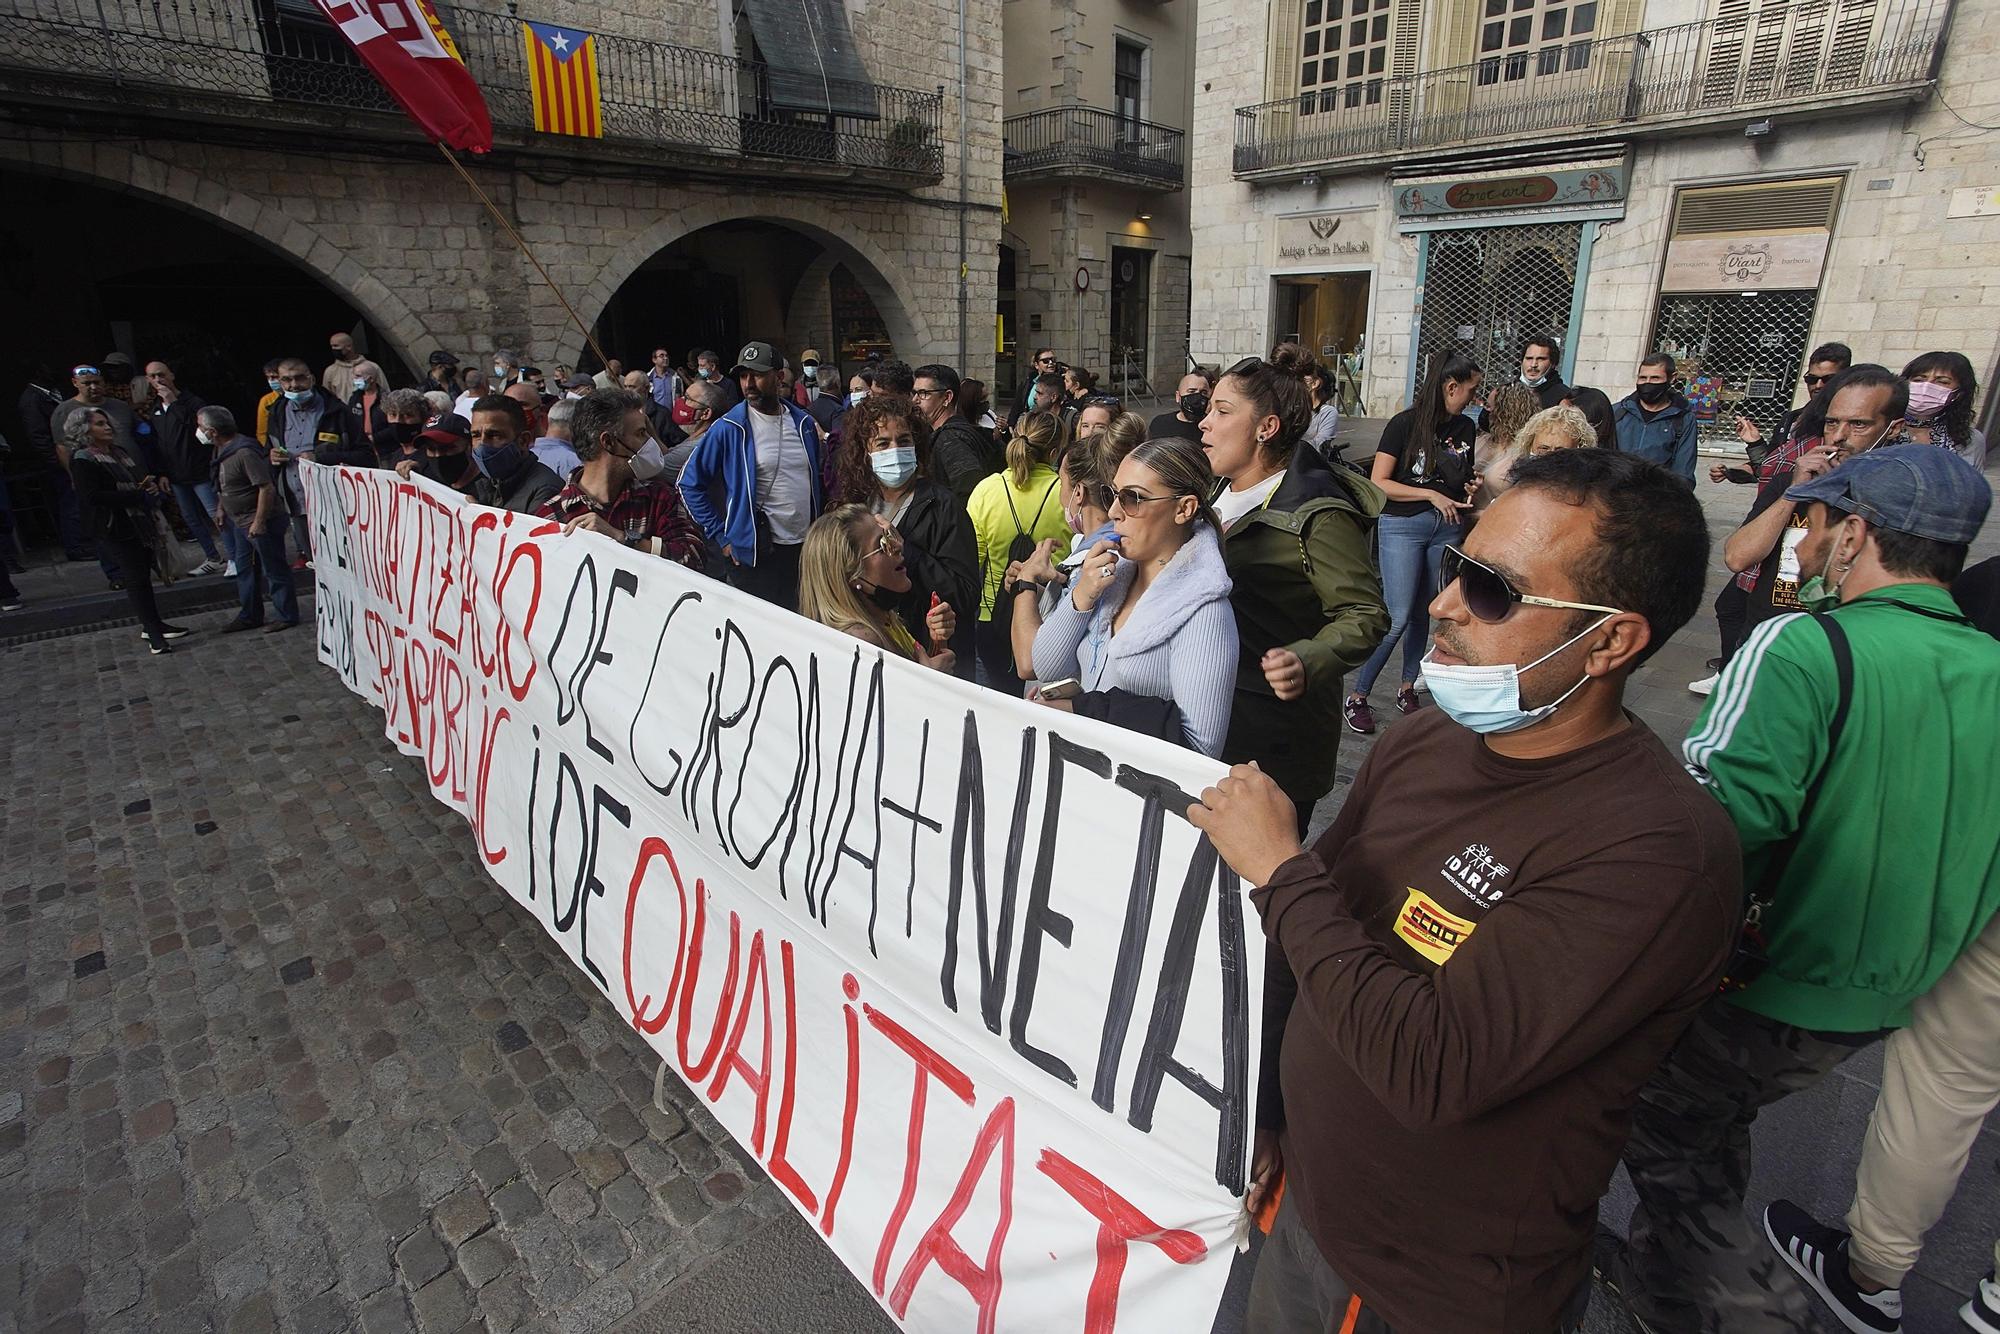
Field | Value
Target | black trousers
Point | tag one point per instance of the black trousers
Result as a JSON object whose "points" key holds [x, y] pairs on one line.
{"points": [[1732, 608], [775, 576], [134, 561]]}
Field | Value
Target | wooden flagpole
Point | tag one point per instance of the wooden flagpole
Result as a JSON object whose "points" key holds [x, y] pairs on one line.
{"points": [[508, 227]]}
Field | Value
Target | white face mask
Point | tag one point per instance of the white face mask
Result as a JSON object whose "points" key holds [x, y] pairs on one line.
{"points": [[856, 397], [649, 462], [1488, 699], [203, 434]]}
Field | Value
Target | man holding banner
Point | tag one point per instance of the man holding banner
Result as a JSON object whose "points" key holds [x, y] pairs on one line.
{"points": [[1520, 907]]}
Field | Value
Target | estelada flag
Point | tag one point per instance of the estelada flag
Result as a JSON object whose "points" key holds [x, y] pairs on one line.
{"points": [[562, 80], [404, 45]]}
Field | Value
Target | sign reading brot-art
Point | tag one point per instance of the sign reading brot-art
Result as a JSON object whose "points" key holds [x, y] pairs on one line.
{"points": [[953, 967]]}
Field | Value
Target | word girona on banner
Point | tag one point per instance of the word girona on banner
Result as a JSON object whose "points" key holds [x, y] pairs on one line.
{"points": [[952, 966]]}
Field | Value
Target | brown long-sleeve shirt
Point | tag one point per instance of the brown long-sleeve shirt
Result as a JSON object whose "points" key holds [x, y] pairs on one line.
{"points": [[1492, 956]]}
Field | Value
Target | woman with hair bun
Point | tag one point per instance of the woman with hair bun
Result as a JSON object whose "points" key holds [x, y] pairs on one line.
{"points": [[1308, 605]]}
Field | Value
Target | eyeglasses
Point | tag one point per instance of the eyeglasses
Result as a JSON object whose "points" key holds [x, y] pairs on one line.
{"points": [[1247, 366], [926, 393], [1488, 595], [1132, 498], [890, 545], [1814, 381]]}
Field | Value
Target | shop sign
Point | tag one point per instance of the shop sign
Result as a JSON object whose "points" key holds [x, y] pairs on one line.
{"points": [[1323, 238], [1744, 263], [1595, 185]]}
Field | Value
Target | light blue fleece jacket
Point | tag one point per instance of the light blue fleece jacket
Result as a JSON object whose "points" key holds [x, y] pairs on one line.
{"points": [[1180, 643]]}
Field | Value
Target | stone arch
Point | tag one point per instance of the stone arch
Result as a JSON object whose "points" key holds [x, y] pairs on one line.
{"points": [[872, 267], [114, 166]]}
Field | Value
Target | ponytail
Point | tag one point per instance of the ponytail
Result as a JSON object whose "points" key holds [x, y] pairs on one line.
{"points": [[1037, 438]]}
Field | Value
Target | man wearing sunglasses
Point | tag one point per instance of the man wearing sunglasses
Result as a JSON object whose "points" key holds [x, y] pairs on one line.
{"points": [[1522, 903], [1827, 360]]}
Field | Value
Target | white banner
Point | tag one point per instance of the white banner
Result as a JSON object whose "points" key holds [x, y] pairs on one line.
{"points": [[953, 967]]}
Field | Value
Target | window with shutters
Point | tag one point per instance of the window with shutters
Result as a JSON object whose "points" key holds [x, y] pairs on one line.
{"points": [[1524, 39], [1344, 54]]}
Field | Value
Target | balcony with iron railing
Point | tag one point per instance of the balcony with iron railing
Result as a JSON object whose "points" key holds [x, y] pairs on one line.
{"points": [[1814, 56], [1059, 143], [255, 67]]}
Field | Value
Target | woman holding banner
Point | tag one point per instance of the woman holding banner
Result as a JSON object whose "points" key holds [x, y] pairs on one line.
{"points": [[885, 464], [1145, 638], [852, 577]]}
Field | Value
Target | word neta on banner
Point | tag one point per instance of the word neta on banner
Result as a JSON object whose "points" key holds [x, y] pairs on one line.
{"points": [[953, 967]]}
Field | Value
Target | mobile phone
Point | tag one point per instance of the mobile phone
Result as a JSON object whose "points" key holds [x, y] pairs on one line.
{"points": [[1067, 688]]}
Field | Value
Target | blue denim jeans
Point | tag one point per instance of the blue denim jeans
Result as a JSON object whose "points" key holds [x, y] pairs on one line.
{"points": [[261, 566], [1411, 548], [197, 502]]}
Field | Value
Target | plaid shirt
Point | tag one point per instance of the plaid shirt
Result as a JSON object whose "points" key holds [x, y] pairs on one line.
{"points": [[1783, 459], [642, 510]]}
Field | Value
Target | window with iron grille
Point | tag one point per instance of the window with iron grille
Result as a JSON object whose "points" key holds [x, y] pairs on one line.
{"points": [[1487, 288], [1344, 54], [1520, 38]]}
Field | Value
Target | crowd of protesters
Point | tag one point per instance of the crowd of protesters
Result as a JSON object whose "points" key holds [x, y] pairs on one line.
{"points": [[1534, 941]]}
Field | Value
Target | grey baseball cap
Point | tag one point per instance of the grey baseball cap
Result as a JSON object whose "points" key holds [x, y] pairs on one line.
{"points": [[759, 357], [1922, 490]]}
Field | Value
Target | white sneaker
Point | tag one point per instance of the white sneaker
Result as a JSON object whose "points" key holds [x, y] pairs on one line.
{"points": [[207, 567], [1705, 686], [1983, 1311], [230, 569]]}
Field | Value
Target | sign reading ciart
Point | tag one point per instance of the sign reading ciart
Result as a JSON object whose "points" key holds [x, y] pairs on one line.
{"points": [[952, 967], [1331, 239], [1744, 263]]}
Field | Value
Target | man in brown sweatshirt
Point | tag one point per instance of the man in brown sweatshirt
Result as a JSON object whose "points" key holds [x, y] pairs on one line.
{"points": [[1521, 905]]}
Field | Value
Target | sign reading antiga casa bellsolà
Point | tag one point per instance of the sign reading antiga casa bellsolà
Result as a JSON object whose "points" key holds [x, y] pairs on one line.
{"points": [[1552, 189], [1323, 238]]}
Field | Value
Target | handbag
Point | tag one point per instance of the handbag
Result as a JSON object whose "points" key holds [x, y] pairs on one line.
{"points": [[168, 561], [1748, 961]]}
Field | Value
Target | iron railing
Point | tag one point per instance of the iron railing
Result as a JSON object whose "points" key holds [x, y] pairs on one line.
{"points": [[1077, 140], [1769, 57], [233, 57]]}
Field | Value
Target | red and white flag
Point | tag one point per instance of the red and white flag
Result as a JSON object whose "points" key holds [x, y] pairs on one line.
{"points": [[405, 46]]}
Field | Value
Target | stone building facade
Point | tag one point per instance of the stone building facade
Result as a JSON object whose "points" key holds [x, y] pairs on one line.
{"points": [[354, 198], [1096, 242], [1733, 181]]}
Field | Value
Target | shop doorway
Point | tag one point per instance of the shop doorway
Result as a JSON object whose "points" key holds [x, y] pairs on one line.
{"points": [[1131, 321], [1327, 314], [1485, 288], [1737, 353]]}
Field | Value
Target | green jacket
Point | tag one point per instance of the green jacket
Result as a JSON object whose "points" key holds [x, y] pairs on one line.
{"points": [[1898, 867], [1303, 581]]}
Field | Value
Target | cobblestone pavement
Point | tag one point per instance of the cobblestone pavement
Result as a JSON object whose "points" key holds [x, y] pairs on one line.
{"points": [[275, 1053]]}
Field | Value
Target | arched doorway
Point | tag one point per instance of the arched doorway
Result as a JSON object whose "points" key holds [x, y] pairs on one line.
{"points": [[152, 281], [722, 285]]}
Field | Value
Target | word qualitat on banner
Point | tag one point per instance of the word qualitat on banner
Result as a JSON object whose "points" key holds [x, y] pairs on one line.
{"points": [[952, 966]]}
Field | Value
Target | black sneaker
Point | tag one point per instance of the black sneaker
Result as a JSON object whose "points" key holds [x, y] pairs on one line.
{"points": [[1818, 1254], [1983, 1311]]}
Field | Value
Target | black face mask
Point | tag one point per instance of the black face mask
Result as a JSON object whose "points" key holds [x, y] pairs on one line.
{"points": [[405, 431], [450, 470], [1194, 406], [886, 599], [1652, 395]]}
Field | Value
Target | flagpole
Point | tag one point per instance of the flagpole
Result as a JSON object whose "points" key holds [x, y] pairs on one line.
{"points": [[508, 227]]}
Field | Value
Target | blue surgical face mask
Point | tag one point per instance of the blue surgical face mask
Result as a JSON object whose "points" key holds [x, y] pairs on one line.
{"points": [[1488, 699], [706, 373], [894, 466], [856, 397], [500, 370], [298, 395], [360, 382], [276, 388]]}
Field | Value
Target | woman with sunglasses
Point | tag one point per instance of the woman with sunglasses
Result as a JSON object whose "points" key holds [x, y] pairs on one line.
{"points": [[1146, 630], [1424, 465], [852, 578], [885, 464], [1308, 606]]}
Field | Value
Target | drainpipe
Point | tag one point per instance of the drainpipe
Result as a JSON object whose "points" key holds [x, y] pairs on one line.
{"points": [[964, 161]]}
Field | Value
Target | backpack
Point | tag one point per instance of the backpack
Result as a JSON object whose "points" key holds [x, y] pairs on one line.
{"points": [[1023, 545]]}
